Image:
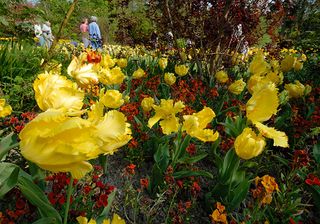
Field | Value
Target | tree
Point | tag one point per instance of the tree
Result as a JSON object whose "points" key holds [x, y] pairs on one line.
{"points": [[214, 25]]}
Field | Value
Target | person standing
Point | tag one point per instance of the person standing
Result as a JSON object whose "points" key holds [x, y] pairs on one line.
{"points": [[47, 34], [94, 33], [38, 34], [84, 28]]}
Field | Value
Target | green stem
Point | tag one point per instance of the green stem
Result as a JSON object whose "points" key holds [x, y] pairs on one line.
{"points": [[66, 212], [170, 206]]}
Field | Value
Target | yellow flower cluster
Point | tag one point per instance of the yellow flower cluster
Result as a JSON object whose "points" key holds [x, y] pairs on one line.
{"points": [[260, 107], [105, 71], [195, 124], [263, 73], [59, 139]]}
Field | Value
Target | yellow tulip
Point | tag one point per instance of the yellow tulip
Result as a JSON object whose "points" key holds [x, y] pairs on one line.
{"points": [[83, 73], [303, 57], [138, 74], [147, 104], [195, 125], [169, 78], [57, 92], [275, 77], [258, 66], [113, 131], [222, 76], [181, 70], [166, 113], [297, 66], [122, 62], [112, 99], [116, 219], [163, 62], [84, 220], [59, 143], [263, 103], [5, 110], [248, 144], [107, 61], [287, 63], [116, 76], [279, 138], [295, 89], [237, 87]]}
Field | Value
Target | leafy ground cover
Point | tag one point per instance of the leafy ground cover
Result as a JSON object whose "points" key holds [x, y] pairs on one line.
{"points": [[138, 136]]}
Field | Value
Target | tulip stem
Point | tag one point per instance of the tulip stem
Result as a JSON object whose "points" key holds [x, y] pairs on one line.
{"points": [[69, 191]]}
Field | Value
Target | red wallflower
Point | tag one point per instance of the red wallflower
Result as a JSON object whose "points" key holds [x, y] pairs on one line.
{"points": [[144, 182], [312, 180]]}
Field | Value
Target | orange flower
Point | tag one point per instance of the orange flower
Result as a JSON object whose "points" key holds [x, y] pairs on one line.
{"points": [[218, 214]]}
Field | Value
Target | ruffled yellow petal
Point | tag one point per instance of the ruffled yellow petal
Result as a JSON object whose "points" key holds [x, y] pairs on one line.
{"points": [[57, 92], [59, 143], [280, 138], [169, 125], [258, 66], [263, 103], [113, 131], [205, 116], [112, 99], [206, 135]]}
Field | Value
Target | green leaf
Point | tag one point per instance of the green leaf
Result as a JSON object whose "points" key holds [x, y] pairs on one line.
{"points": [[316, 152], [162, 157], [194, 159], [230, 165], [188, 173], [239, 194], [8, 142], [48, 220], [181, 152], [105, 213], [36, 197], [8, 177], [156, 179]]}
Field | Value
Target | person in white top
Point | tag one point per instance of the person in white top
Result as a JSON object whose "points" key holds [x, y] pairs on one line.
{"points": [[47, 34], [38, 33]]}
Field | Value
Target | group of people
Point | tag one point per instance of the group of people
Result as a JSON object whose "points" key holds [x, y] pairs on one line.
{"points": [[90, 33], [44, 34]]}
